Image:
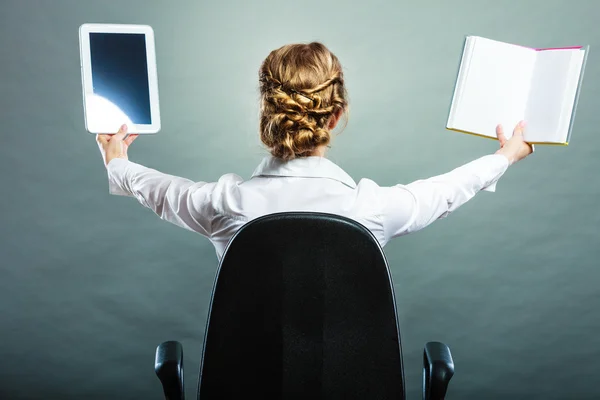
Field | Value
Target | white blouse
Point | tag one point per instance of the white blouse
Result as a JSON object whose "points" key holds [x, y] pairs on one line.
{"points": [[217, 210]]}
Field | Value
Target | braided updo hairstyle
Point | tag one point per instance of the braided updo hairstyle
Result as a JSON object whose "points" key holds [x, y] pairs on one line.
{"points": [[302, 89]]}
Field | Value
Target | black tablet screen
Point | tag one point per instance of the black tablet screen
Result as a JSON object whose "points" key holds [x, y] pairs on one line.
{"points": [[120, 73]]}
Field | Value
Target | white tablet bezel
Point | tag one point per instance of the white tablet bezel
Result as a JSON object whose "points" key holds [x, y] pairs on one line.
{"points": [[87, 83]]}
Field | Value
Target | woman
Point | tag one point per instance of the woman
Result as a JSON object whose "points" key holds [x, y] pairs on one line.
{"points": [[302, 99]]}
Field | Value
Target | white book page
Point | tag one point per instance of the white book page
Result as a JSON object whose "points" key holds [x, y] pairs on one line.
{"points": [[553, 87], [570, 96], [462, 74], [495, 89]]}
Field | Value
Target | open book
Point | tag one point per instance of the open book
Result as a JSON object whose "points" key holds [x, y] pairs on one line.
{"points": [[502, 83]]}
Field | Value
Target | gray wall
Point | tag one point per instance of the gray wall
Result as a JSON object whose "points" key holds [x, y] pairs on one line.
{"points": [[91, 283]]}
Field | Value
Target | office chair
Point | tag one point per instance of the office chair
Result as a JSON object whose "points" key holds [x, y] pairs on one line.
{"points": [[303, 307]]}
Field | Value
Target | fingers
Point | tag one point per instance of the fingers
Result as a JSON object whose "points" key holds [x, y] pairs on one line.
{"points": [[130, 139], [102, 139], [500, 135], [122, 132], [519, 129]]}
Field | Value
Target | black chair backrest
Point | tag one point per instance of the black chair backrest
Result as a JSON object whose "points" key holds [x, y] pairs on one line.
{"points": [[303, 307]]}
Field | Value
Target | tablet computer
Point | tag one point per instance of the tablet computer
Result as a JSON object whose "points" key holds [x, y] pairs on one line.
{"points": [[119, 79]]}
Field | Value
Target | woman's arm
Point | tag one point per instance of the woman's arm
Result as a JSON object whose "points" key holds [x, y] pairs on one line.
{"points": [[412, 207], [174, 199], [409, 208]]}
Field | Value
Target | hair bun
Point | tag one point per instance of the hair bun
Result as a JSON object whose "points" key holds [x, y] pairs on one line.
{"points": [[301, 88]]}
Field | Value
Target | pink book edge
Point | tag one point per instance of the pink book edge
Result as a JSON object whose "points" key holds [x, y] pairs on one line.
{"points": [[559, 48], [552, 48]]}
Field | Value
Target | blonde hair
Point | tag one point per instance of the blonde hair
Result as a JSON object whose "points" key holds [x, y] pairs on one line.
{"points": [[301, 88]]}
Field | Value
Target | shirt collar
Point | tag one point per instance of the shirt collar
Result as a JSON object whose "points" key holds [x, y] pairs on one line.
{"points": [[305, 167]]}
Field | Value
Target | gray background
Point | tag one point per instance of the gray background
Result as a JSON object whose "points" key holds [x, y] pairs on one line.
{"points": [[91, 283]]}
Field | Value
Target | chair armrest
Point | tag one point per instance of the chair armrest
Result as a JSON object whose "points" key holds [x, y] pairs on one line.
{"points": [[438, 369], [168, 365]]}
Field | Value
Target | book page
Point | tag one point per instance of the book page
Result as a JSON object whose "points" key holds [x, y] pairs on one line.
{"points": [[571, 92], [495, 89], [549, 106]]}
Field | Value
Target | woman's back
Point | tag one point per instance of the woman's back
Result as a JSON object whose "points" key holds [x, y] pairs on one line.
{"points": [[304, 184]]}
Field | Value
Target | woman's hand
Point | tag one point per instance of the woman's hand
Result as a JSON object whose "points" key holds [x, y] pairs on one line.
{"points": [[113, 146], [515, 148]]}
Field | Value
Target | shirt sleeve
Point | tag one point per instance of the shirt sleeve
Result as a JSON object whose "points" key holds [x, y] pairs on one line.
{"points": [[174, 199], [412, 207]]}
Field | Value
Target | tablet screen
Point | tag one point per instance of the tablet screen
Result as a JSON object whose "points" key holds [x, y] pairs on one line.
{"points": [[120, 73]]}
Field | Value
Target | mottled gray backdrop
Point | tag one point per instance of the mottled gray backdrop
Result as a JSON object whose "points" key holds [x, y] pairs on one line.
{"points": [[91, 283]]}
